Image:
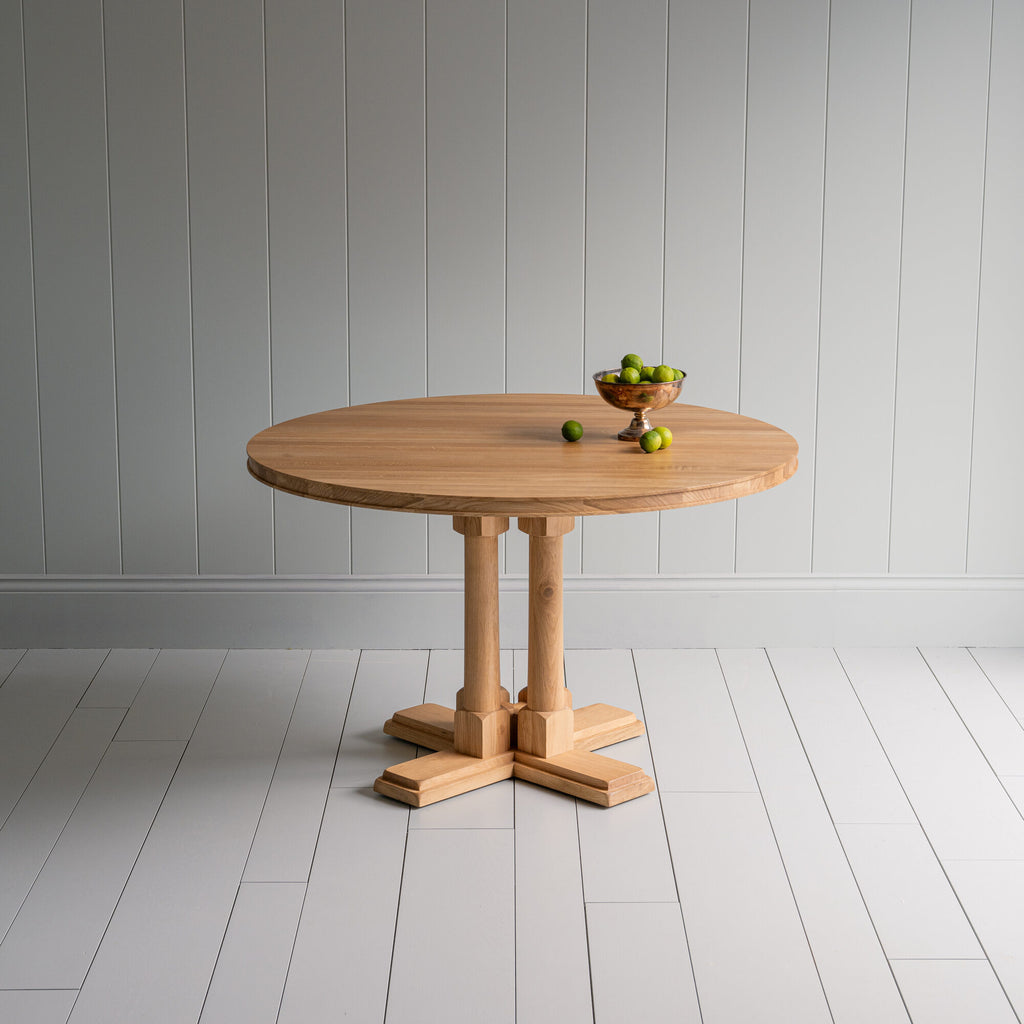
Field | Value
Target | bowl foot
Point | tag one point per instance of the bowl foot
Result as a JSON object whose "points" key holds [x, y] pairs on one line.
{"points": [[637, 428]]}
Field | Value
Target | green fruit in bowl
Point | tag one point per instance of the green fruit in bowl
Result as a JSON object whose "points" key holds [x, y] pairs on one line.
{"points": [[632, 361], [663, 374], [610, 378], [629, 375]]}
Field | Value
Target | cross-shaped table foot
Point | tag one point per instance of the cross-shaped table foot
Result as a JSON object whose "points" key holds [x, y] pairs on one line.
{"points": [[485, 738]]}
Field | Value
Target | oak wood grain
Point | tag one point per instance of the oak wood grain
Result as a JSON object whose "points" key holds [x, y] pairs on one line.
{"points": [[504, 455]]}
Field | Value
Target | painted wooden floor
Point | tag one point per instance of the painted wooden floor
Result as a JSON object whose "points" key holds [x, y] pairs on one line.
{"points": [[190, 836]]}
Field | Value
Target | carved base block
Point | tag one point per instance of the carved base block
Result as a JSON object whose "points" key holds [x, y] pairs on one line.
{"points": [[482, 733], [545, 733]]}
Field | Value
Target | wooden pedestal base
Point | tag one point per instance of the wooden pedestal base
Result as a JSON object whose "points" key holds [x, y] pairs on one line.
{"points": [[487, 738], [601, 780]]}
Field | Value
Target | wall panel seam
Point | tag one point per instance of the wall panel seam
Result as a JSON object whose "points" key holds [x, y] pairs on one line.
{"points": [[743, 260], [821, 277], [899, 284], [981, 264], [32, 278], [348, 263], [270, 292], [664, 219], [110, 259], [191, 289]]}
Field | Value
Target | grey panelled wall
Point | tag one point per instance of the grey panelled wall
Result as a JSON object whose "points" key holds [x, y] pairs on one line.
{"points": [[219, 215]]}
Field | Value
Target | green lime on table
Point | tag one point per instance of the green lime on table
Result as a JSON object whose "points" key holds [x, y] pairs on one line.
{"points": [[571, 430], [651, 441], [632, 360], [629, 375], [666, 436], [663, 374]]}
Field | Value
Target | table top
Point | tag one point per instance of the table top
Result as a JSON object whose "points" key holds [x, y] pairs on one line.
{"points": [[504, 455]]}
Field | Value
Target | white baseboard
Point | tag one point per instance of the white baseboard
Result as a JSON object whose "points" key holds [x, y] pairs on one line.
{"points": [[426, 611]]}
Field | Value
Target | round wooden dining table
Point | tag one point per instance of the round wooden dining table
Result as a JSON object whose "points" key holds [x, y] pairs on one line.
{"points": [[484, 459]]}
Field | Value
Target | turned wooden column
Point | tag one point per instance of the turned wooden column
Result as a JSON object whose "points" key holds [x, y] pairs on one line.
{"points": [[545, 725], [481, 722]]}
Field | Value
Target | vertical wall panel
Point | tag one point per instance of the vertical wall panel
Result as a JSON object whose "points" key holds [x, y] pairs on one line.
{"points": [[707, 95], [308, 291], [867, 92], [996, 540], [465, 55], [71, 240], [547, 78], [625, 218], [152, 301], [386, 196], [384, 44], [946, 113], [21, 510], [546, 177], [782, 266], [228, 208]]}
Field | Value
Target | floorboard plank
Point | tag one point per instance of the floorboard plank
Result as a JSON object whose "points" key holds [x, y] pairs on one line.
{"points": [[249, 977], [856, 779], [750, 955], [952, 992], [960, 803], [640, 964], [624, 849], [692, 726], [343, 946], [549, 910], [286, 837], [37, 1006], [386, 681], [1004, 666], [986, 715], [38, 697], [35, 824], [454, 957], [172, 915], [119, 679], [914, 910], [9, 658], [59, 927], [850, 961], [1014, 785], [992, 894], [173, 696], [549, 901]]}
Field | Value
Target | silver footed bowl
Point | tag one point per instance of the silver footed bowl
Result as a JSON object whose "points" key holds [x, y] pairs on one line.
{"points": [[639, 399]]}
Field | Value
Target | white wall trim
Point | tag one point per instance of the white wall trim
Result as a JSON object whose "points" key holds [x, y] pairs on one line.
{"points": [[426, 611]]}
